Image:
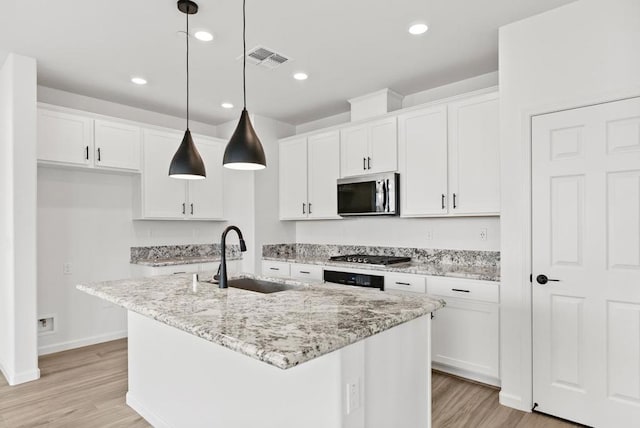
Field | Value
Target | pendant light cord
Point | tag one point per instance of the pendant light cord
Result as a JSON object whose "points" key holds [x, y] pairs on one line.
{"points": [[187, 35], [244, 49]]}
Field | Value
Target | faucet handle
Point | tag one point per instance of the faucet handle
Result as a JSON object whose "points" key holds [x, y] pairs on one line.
{"points": [[216, 277]]}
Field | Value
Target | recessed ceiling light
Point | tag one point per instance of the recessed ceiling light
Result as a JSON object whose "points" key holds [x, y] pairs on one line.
{"points": [[300, 76], [203, 36], [139, 80], [417, 29], [226, 105]]}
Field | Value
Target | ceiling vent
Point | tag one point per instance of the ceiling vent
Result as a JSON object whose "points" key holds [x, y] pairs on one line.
{"points": [[265, 57]]}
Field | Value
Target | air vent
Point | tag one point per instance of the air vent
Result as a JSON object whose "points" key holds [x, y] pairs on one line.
{"points": [[266, 58]]}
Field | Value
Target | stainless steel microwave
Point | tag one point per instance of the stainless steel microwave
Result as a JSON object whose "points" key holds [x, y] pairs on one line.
{"points": [[374, 194]]}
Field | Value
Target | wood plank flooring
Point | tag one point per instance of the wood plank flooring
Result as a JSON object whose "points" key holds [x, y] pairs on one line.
{"points": [[86, 387]]}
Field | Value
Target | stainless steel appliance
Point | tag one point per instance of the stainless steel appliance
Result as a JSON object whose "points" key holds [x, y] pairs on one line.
{"points": [[375, 194], [370, 260], [356, 279]]}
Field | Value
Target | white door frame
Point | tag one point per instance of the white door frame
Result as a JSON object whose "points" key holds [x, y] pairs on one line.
{"points": [[524, 399]]}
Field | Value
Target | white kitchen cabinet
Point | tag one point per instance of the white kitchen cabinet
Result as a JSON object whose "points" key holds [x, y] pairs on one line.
{"points": [[449, 159], [116, 145], [64, 138], [369, 148], [306, 271], [205, 197], [70, 139], [276, 269], [309, 170], [465, 339], [422, 153], [204, 270], [293, 179], [162, 197], [404, 282], [474, 155]]}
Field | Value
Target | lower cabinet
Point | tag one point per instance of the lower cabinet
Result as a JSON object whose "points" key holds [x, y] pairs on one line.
{"points": [[303, 271], [465, 333], [233, 266], [276, 269]]}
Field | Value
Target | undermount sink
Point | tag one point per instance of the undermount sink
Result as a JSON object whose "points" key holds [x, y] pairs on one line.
{"points": [[265, 287]]}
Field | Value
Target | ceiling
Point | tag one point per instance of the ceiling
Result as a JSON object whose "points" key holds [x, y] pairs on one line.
{"points": [[348, 48]]}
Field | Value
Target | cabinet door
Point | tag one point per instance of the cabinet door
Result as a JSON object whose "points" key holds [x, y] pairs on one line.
{"points": [[423, 162], [64, 138], [308, 272], [162, 197], [474, 167], [383, 146], [205, 196], [275, 269], [117, 145], [354, 150], [465, 337], [323, 173], [293, 179]]}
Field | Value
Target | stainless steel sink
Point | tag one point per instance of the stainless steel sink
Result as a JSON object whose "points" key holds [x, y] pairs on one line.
{"points": [[259, 286]]}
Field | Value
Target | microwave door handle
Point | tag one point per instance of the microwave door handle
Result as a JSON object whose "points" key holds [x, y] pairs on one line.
{"points": [[379, 196], [385, 189]]}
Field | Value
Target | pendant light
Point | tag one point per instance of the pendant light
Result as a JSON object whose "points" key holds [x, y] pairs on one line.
{"points": [[187, 163], [244, 150]]}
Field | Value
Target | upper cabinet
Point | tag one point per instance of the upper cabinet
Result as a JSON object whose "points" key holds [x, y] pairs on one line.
{"points": [[369, 148], [162, 197], [474, 155], [449, 159], [309, 170], [422, 153], [70, 139]]}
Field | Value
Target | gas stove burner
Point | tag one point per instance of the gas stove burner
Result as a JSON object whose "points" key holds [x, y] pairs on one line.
{"points": [[369, 259]]}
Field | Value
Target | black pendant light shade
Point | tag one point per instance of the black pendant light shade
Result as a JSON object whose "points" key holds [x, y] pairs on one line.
{"points": [[187, 163], [244, 150]]}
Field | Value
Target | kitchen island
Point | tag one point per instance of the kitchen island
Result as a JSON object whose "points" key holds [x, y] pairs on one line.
{"points": [[316, 355]]}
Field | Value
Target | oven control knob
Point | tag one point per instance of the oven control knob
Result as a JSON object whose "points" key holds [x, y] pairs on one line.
{"points": [[365, 260], [359, 260]]}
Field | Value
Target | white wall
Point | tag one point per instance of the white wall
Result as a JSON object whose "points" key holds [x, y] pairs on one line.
{"points": [[18, 338], [85, 218], [449, 233], [582, 53]]}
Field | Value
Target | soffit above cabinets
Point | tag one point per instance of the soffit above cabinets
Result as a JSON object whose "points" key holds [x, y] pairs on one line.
{"points": [[347, 48]]}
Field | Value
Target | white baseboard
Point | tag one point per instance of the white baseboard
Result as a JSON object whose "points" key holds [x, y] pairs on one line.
{"points": [[149, 416], [513, 401], [489, 380], [18, 378], [79, 343]]}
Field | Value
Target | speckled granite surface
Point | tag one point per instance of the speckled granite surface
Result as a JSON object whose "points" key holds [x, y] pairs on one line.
{"points": [[479, 265], [283, 329], [170, 255]]}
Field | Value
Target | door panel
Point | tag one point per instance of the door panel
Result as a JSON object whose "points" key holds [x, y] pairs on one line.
{"points": [[117, 145], [323, 174], [293, 179], [64, 137], [354, 149], [586, 234], [383, 146], [205, 196], [422, 149]]}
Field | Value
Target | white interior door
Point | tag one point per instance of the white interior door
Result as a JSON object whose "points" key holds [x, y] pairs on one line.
{"points": [[586, 235]]}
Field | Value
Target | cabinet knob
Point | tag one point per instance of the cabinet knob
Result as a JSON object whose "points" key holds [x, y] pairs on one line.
{"points": [[368, 163], [454, 202], [443, 198], [184, 208], [309, 207], [304, 208], [99, 155], [364, 163], [191, 209]]}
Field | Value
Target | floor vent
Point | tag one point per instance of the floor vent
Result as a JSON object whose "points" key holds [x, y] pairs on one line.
{"points": [[265, 57]]}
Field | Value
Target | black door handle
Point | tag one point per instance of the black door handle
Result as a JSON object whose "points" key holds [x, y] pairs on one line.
{"points": [[543, 279]]}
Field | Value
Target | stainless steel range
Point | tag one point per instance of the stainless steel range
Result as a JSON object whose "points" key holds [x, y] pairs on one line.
{"points": [[370, 260]]}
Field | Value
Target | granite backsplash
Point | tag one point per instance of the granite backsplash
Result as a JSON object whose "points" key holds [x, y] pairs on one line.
{"points": [[175, 251], [420, 255]]}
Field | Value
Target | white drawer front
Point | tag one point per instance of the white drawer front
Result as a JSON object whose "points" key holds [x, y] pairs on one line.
{"points": [[404, 282], [279, 269], [302, 271], [484, 291]]}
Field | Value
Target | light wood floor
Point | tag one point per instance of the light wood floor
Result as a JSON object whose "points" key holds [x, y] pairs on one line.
{"points": [[86, 387]]}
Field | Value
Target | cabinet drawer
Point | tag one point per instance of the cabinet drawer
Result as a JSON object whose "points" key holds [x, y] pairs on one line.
{"points": [[306, 271], [484, 291], [403, 282], [279, 269]]}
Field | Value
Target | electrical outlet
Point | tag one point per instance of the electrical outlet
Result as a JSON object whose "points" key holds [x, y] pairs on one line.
{"points": [[67, 269], [483, 234], [353, 397], [45, 325]]}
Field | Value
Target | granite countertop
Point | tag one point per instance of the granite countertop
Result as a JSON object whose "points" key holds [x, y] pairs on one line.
{"points": [[183, 260], [282, 329], [484, 273]]}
